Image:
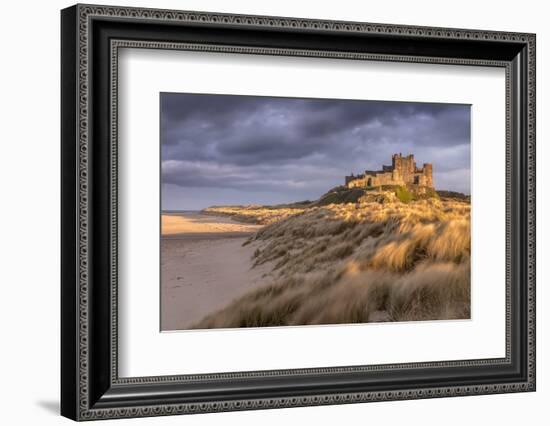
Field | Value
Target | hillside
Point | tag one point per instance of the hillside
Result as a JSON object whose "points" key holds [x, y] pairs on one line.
{"points": [[381, 194], [265, 215]]}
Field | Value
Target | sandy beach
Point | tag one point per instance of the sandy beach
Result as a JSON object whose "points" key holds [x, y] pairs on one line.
{"points": [[186, 224], [203, 266]]}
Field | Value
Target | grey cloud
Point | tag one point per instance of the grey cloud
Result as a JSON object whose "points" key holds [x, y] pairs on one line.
{"points": [[298, 147]]}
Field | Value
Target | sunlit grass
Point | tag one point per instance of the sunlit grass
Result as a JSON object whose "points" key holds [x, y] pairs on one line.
{"points": [[356, 262], [254, 214]]}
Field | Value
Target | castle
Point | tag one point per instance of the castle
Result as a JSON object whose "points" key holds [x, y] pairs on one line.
{"points": [[402, 171]]}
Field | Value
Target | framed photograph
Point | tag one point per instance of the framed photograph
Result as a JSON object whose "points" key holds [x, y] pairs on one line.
{"points": [[263, 212]]}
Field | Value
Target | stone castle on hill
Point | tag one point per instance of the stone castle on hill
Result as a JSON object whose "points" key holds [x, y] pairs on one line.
{"points": [[403, 171]]}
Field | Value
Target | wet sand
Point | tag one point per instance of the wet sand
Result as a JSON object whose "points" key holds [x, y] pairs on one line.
{"points": [[204, 266]]}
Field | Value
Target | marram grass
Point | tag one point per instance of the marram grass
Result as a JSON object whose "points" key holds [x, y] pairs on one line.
{"points": [[357, 262]]}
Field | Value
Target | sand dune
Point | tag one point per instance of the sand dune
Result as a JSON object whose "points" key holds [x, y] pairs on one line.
{"points": [[359, 262]]}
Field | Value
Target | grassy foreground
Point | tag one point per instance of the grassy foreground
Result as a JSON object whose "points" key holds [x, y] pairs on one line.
{"points": [[355, 262]]}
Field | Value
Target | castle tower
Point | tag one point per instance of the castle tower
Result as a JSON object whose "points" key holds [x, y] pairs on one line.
{"points": [[406, 166], [428, 173]]}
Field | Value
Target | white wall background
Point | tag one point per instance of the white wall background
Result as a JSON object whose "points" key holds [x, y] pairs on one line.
{"points": [[29, 212]]}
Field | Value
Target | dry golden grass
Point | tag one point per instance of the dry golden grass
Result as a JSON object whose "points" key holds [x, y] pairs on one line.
{"points": [[359, 262], [254, 214]]}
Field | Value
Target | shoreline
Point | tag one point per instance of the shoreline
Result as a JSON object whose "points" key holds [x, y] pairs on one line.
{"points": [[207, 236], [204, 266], [198, 223]]}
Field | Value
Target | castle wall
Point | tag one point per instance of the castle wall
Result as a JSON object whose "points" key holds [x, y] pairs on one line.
{"points": [[357, 183], [384, 179], [375, 179]]}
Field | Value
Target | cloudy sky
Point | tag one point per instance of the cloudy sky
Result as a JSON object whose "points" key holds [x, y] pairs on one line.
{"points": [[226, 149]]}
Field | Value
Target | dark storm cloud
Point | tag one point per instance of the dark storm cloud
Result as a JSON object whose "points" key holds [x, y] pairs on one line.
{"points": [[298, 148]]}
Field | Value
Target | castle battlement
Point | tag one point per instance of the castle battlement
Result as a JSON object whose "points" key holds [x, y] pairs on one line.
{"points": [[403, 171]]}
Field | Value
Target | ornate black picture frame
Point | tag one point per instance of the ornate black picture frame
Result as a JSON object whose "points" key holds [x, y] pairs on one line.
{"points": [[91, 387]]}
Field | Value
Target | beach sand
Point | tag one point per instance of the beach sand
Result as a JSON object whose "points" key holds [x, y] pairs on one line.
{"points": [[192, 223], [204, 266]]}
